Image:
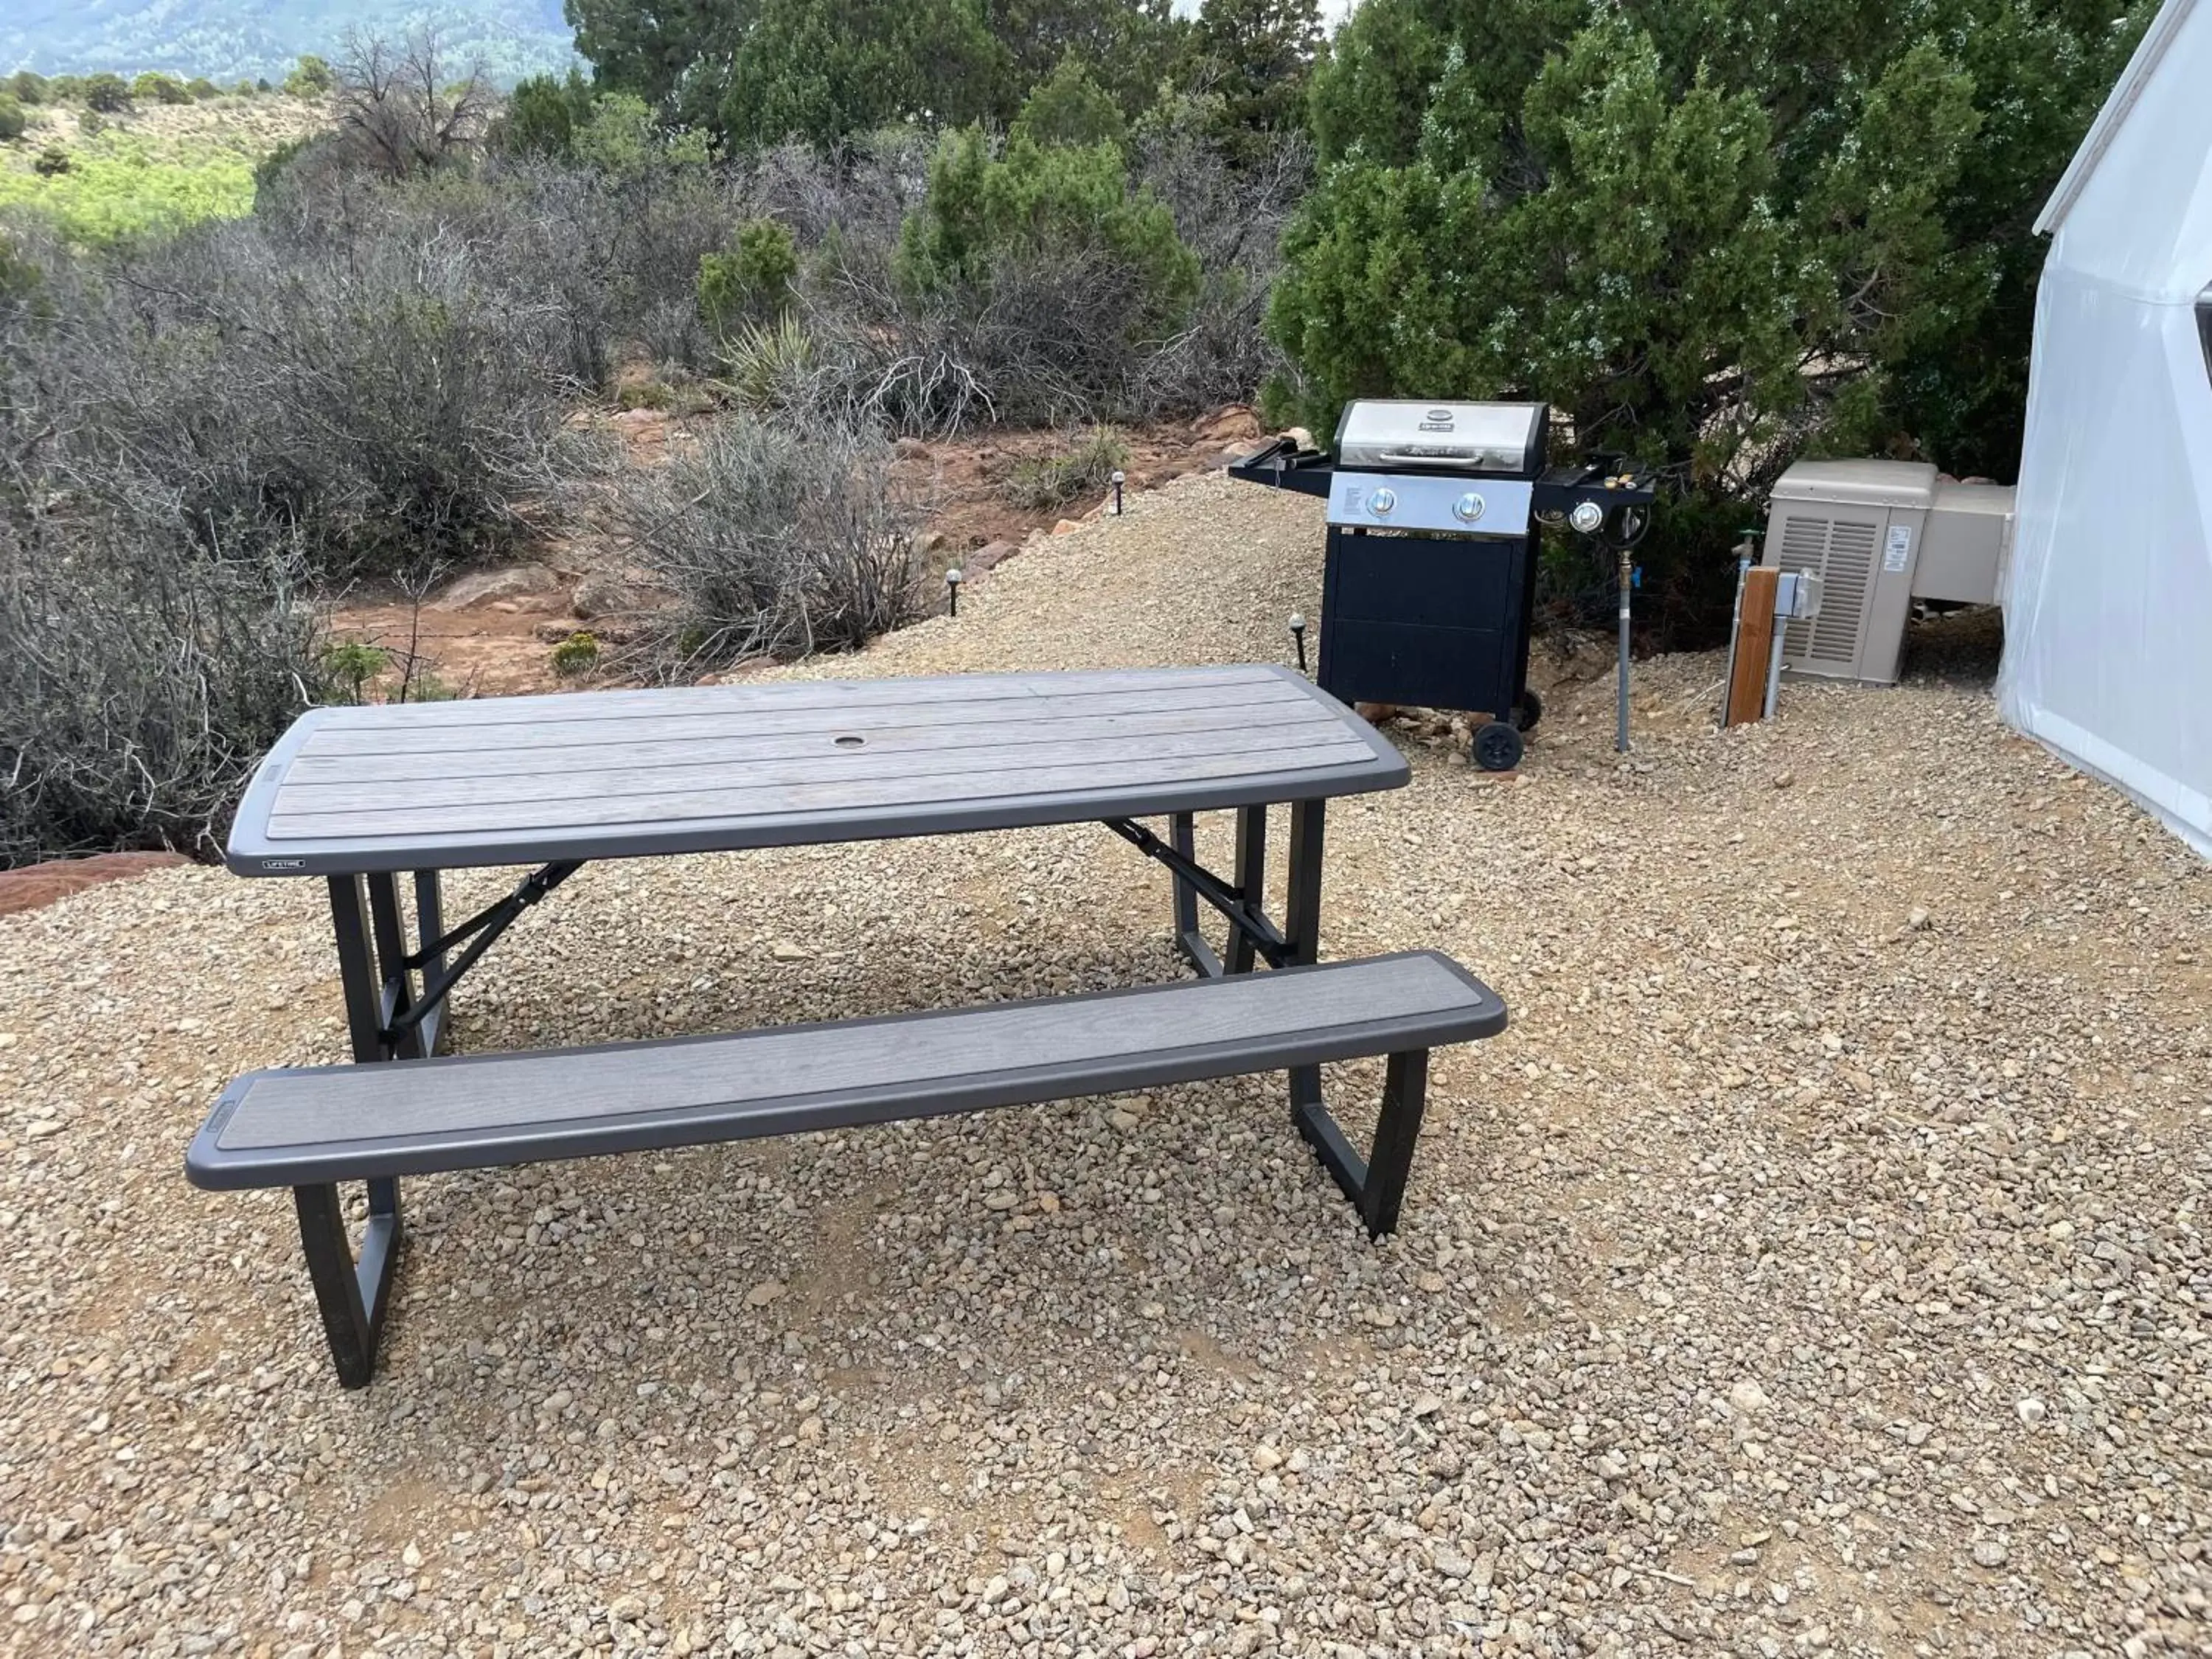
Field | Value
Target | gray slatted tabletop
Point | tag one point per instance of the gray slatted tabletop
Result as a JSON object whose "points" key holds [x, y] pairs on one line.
{"points": [[628, 773]]}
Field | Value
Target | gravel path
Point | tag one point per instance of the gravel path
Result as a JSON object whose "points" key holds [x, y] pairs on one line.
{"points": [[1815, 1267]]}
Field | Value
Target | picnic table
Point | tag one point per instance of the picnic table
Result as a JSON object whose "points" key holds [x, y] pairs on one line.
{"points": [[379, 800]]}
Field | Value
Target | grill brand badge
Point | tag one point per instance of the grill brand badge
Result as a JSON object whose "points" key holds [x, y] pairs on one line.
{"points": [[1439, 419]]}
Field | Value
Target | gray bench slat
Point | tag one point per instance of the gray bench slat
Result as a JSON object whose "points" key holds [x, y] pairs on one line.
{"points": [[302, 1126]]}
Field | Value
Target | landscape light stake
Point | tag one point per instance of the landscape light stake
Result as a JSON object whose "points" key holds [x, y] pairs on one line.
{"points": [[1117, 492], [952, 591], [1299, 633]]}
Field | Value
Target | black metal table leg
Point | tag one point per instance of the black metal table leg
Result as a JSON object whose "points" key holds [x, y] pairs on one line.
{"points": [[1301, 928], [357, 975], [1390, 1160], [1183, 836], [430, 924], [352, 1296], [1251, 880], [396, 987]]}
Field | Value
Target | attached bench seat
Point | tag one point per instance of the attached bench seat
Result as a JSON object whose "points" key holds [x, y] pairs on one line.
{"points": [[308, 1128]]}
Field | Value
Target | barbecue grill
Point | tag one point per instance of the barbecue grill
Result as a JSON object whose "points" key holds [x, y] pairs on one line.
{"points": [[1430, 573]]}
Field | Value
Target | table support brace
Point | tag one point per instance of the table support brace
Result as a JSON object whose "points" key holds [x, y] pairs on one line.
{"points": [[481, 930], [1251, 931]]}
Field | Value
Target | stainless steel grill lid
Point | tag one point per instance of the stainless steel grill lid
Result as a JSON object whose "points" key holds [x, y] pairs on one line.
{"points": [[1379, 434]]}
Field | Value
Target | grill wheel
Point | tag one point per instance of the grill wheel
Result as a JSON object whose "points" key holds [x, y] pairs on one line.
{"points": [[1497, 747]]}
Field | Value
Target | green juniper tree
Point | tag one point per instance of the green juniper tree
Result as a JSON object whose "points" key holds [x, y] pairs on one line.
{"points": [[1069, 107], [1709, 235], [1255, 57]]}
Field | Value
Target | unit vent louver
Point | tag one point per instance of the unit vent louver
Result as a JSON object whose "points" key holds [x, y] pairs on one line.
{"points": [[1841, 553]]}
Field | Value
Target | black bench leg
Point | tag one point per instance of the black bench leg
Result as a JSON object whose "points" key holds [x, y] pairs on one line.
{"points": [[352, 1295], [1376, 1183]]}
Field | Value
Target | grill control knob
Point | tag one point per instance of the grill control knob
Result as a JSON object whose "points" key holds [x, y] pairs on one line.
{"points": [[1467, 508], [1381, 502]]}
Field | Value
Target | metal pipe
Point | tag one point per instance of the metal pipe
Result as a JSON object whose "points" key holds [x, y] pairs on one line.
{"points": [[1627, 577], [1735, 624], [1774, 673]]}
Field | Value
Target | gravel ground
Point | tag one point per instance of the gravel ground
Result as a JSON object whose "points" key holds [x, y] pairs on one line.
{"points": [[1815, 1267]]}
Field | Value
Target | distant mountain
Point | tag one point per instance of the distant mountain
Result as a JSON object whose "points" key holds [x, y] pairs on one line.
{"points": [[232, 39]]}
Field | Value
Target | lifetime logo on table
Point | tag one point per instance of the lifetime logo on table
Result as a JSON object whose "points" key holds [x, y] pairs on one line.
{"points": [[283, 864]]}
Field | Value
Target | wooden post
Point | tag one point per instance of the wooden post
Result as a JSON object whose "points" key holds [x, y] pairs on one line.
{"points": [[1754, 644]]}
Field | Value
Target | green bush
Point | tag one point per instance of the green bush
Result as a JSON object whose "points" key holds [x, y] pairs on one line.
{"points": [[310, 78], [155, 87], [91, 124], [799, 70], [543, 115], [773, 365], [65, 90], [12, 118], [577, 654], [1253, 58], [351, 665], [202, 89], [619, 133], [247, 89], [1034, 199], [26, 87], [18, 278], [750, 282], [53, 162], [108, 93], [1086, 468], [1070, 107]]}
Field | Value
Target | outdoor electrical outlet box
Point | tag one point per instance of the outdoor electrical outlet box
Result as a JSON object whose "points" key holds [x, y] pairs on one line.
{"points": [[1797, 596]]}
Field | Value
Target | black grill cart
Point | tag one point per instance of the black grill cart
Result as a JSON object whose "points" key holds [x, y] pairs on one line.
{"points": [[1433, 515]]}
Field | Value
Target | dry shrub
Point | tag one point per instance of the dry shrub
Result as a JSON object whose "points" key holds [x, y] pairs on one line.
{"points": [[140, 683], [1085, 467], [773, 539]]}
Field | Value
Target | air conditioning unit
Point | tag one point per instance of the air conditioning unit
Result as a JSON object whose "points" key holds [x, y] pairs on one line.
{"points": [[1879, 535]]}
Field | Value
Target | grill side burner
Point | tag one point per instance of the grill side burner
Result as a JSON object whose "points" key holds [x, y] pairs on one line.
{"points": [[1429, 584]]}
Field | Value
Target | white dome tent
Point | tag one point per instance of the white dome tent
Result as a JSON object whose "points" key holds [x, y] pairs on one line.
{"points": [[2108, 605]]}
